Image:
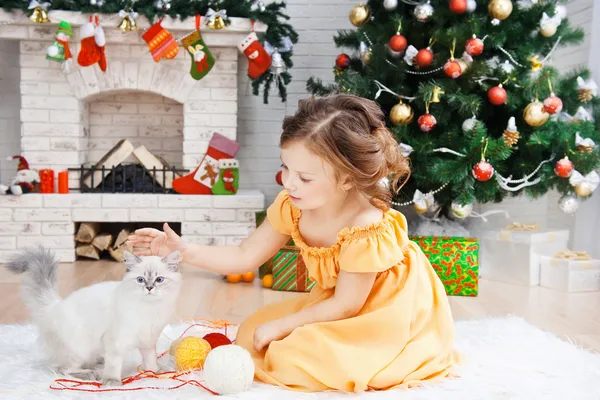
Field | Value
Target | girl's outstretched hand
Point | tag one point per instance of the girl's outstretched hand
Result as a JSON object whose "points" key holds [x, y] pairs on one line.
{"points": [[152, 242]]}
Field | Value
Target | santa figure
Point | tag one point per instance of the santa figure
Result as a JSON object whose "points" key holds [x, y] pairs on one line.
{"points": [[228, 179], [25, 181]]}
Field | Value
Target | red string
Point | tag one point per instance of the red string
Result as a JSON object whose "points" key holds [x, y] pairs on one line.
{"points": [[97, 21], [84, 386], [198, 22], [252, 22]]}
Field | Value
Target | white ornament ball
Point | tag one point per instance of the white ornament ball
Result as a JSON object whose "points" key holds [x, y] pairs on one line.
{"points": [[390, 5], [229, 369], [423, 12], [568, 203], [469, 124], [471, 5], [458, 211]]}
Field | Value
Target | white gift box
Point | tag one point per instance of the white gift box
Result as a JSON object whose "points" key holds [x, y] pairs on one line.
{"points": [[570, 275], [513, 256]]}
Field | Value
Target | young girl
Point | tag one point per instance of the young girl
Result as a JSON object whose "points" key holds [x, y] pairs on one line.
{"points": [[378, 317]]}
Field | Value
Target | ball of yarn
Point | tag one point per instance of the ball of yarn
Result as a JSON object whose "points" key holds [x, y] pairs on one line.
{"points": [[229, 369], [190, 352], [216, 339]]}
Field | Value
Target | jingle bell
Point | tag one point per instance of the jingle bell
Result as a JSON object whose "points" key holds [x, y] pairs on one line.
{"points": [[127, 24], [39, 16], [216, 23], [277, 65]]}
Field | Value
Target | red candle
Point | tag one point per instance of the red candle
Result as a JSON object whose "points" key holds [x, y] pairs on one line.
{"points": [[63, 182], [46, 181]]}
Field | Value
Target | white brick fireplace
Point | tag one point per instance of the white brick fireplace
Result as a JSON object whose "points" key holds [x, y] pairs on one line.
{"points": [[72, 119]]}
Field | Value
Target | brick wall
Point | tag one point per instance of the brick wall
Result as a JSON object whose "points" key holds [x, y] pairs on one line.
{"points": [[10, 127], [142, 118]]}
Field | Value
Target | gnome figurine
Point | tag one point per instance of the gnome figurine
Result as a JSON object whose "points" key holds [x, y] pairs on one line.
{"points": [[25, 181]]}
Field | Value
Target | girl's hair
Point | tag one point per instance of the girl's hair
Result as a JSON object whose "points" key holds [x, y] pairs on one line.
{"points": [[349, 133]]}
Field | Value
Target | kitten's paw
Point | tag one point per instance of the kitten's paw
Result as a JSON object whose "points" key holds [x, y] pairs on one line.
{"points": [[111, 382]]}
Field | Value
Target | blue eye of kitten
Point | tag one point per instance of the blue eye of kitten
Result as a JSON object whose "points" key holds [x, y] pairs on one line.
{"points": [[160, 279], [140, 279]]}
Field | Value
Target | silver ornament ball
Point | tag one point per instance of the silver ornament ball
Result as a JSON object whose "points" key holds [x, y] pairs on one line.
{"points": [[459, 212], [390, 5], [423, 12], [568, 203], [471, 5]]}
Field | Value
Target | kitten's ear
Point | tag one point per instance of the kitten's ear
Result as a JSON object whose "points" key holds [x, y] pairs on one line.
{"points": [[172, 261], [130, 260]]}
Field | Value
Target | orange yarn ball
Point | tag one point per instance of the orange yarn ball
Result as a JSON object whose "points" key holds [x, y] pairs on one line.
{"points": [[216, 339]]}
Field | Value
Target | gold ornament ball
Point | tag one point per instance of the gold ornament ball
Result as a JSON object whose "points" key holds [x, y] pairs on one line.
{"points": [[359, 15], [584, 189], [366, 56], [500, 9], [401, 114], [548, 30], [535, 115]]}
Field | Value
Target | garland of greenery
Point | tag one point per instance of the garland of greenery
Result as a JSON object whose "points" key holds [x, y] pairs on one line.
{"points": [[272, 14]]}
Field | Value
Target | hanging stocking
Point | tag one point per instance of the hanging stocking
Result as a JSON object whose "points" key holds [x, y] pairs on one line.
{"points": [[202, 179], [92, 45], [161, 42], [100, 42], [202, 58], [229, 175], [258, 58]]}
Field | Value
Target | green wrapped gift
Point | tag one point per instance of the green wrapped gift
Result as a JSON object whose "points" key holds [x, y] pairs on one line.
{"points": [[456, 261], [289, 271], [266, 268]]}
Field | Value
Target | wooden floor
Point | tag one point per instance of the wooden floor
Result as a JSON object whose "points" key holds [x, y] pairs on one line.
{"points": [[205, 295]]}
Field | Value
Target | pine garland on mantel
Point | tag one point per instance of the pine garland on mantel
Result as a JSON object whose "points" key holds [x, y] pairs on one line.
{"points": [[272, 14]]}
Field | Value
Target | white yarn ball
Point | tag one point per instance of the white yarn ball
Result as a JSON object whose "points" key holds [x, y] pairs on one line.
{"points": [[229, 369]]}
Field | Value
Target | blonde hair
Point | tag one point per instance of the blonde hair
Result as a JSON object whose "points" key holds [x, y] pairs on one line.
{"points": [[349, 133]]}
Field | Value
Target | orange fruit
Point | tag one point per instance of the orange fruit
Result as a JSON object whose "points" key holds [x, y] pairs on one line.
{"points": [[267, 281], [248, 276], [234, 278]]}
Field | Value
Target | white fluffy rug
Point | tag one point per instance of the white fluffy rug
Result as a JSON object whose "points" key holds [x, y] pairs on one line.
{"points": [[507, 358]]}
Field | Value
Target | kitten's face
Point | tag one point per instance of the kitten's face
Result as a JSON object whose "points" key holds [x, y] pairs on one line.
{"points": [[153, 277]]}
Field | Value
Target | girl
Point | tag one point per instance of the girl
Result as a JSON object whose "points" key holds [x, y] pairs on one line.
{"points": [[378, 317]]}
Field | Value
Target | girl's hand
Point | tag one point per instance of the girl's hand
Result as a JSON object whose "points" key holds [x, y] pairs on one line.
{"points": [[267, 333], [152, 242]]}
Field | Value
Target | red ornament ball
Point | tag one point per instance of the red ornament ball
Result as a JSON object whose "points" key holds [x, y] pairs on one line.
{"points": [[483, 171], [553, 104], [216, 339], [397, 42], [427, 122], [278, 178], [342, 61], [458, 6], [424, 57], [452, 69], [474, 46], [497, 95], [564, 168]]}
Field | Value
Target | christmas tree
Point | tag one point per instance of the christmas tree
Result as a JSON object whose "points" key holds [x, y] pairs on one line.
{"points": [[471, 96]]}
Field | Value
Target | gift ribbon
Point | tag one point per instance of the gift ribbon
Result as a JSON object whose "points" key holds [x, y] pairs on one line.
{"points": [[573, 255], [517, 226], [212, 14], [286, 46]]}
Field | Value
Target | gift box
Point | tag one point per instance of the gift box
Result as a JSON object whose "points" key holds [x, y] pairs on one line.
{"points": [[512, 255], [570, 271], [266, 268], [289, 272], [455, 260]]}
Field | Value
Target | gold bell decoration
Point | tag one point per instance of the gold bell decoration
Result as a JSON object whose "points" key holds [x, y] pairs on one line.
{"points": [[500, 9], [511, 134], [216, 19], [127, 23], [535, 63], [359, 15], [436, 92], [401, 114], [534, 114], [40, 12]]}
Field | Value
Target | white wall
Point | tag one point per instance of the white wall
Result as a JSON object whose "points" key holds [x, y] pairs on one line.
{"points": [[10, 105]]}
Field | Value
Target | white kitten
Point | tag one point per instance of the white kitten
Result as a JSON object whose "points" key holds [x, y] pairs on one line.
{"points": [[102, 322]]}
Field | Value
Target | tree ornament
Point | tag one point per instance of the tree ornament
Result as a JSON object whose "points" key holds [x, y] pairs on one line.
{"points": [[40, 12], [511, 134], [359, 15], [535, 115], [163, 4], [458, 6], [459, 212], [424, 57], [365, 53], [500, 9], [483, 171], [548, 26], [390, 5], [471, 5], [469, 124], [397, 42], [216, 19], [342, 61], [564, 168], [423, 12], [568, 203], [98, 3], [474, 46], [424, 204], [401, 114], [587, 89], [584, 185], [279, 178], [452, 68], [465, 62], [586, 145], [426, 122], [553, 104], [497, 95]]}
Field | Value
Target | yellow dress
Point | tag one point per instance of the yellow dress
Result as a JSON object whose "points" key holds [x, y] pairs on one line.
{"points": [[403, 335]]}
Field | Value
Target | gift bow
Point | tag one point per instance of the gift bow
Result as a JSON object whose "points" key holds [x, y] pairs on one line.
{"points": [[410, 54], [132, 14], [286, 45], [587, 85], [212, 14], [423, 200], [405, 149], [34, 4], [546, 20], [582, 115], [579, 141], [517, 226], [573, 255], [592, 179]]}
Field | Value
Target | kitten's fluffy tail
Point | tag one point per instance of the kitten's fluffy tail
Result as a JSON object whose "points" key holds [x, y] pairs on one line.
{"points": [[39, 286]]}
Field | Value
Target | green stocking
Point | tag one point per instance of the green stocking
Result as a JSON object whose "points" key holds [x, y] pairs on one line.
{"points": [[202, 58], [229, 175]]}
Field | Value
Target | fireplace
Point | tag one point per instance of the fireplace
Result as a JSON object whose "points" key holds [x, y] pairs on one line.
{"points": [[68, 121]]}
